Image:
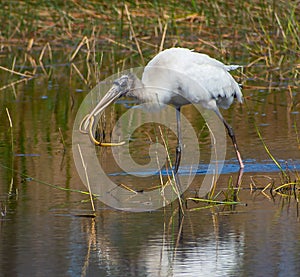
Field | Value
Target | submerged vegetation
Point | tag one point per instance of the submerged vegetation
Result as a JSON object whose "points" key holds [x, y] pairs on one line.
{"points": [[98, 38]]}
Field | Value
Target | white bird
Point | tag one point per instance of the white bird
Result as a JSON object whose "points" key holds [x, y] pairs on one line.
{"points": [[176, 76]]}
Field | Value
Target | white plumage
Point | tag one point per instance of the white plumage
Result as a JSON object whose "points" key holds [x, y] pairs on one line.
{"points": [[177, 76], [183, 72]]}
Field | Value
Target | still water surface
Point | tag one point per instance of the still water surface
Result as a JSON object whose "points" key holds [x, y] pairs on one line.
{"points": [[43, 232], [261, 239]]}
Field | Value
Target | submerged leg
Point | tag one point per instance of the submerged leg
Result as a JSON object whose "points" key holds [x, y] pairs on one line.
{"points": [[232, 136], [179, 141]]}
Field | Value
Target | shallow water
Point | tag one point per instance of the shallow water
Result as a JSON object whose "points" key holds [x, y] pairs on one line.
{"points": [[45, 230], [260, 239]]}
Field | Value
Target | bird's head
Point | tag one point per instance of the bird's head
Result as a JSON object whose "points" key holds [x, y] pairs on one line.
{"points": [[121, 87]]}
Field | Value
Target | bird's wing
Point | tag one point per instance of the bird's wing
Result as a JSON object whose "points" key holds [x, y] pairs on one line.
{"points": [[209, 81], [190, 77]]}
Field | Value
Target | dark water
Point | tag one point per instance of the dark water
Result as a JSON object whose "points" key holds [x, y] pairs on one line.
{"points": [[260, 239], [43, 230]]}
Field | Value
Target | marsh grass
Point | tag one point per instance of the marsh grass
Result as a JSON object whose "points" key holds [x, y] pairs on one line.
{"points": [[161, 135], [268, 29], [226, 198], [12, 191], [87, 179], [173, 179], [263, 34], [289, 184]]}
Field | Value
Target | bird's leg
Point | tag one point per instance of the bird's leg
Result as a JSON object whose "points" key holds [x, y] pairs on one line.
{"points": [[179, 141], [177, 163], [232, 136]]}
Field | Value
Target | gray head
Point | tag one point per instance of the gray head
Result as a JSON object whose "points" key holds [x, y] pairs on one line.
{"points": [[122, 86]]}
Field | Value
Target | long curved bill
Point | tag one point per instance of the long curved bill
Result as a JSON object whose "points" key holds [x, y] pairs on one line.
{"points": [[87, 124]]}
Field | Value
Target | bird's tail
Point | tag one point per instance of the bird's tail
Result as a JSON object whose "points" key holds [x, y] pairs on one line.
{"points": [[232, 67]]}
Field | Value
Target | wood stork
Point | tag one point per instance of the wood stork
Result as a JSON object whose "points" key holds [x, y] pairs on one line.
{"points": [[185, 77]]}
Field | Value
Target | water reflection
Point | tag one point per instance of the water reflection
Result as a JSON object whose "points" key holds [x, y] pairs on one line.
{"points": [[250, 240], [160, 246], [202, 255]]}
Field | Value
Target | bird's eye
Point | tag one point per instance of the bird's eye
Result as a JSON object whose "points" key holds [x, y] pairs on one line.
{"points": [[117, 83], [122, 82]]}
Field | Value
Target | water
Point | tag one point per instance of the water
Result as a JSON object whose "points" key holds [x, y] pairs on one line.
{"points": [[259, 239], [45, 230]]}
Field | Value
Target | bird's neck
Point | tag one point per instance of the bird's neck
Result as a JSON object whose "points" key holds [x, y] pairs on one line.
{"points": [[144, 94], [137, 89]]}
